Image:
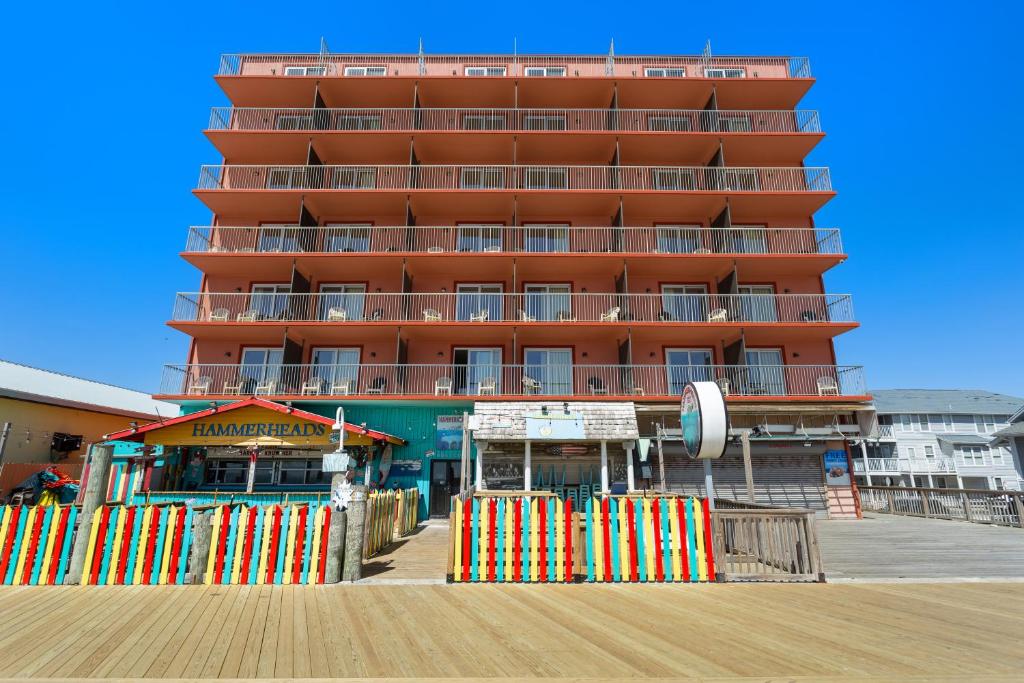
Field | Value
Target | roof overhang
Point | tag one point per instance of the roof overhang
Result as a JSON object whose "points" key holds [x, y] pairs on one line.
{"points": [[973, 439], [250, 422]]}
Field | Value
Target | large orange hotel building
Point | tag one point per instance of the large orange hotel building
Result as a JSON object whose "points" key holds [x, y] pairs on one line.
{"points": [[416, 237]]}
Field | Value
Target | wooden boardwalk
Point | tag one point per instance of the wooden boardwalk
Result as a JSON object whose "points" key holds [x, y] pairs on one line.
{"points": [[420, 556], [716, 632], [883, 546]]}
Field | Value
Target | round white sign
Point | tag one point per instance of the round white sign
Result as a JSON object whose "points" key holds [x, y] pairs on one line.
{"points": [[704, 419]]}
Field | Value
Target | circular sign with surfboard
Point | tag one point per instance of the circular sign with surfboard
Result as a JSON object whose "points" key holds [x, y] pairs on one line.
{"points": [[704, 419]]}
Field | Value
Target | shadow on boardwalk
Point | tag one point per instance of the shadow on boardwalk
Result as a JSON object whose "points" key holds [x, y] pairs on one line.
{"points": [[422, 555]]}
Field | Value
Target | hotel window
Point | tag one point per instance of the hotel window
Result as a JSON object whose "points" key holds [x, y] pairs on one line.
{"points": [[343, 302], [724, 72], [757, 303], [903, 423], [293, 122], [476, 371], [973, 455], [260, 368], [684, 303], [269, 302], [366, 71], [548, 372], [305, 70], [300, 472], [936, 423], [679, 239], [544, 71], [278, 237], [764, 373], [984, 424], [546, 178], [347, 237], [236, 472], [481, 302], [288, 178], [546, 238], [547, 302], [544, 122], [929, 451], [669, 123], [748, 240], [337, 369], [357, 122], [664, 72], [687, 365], [997, 483], [915, 422], [740, 179], [482, 178], [483, 122], [733, 123], [479, 238], [354, 178], [997, 455], [673, 179], [485, 71]]}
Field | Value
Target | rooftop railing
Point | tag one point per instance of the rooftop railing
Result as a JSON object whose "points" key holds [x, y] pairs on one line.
{"points": [[526, 308], [500, 239], [393, 380], [513, 66], [518, 120], [519, 178]]}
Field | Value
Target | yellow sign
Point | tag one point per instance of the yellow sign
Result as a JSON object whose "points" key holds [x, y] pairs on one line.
{"points": [[249, 426]]}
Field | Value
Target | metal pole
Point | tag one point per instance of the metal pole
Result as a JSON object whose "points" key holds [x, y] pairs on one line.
{"points": [[709, 484], [661, 461], [748, 468], [864, 457], [94, 496], [479, 478], [527, 470]]}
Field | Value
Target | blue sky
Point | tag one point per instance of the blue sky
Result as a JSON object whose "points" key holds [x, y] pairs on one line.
{"points": [[103, 108]]}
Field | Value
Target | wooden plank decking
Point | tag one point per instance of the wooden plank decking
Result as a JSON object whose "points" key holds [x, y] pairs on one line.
{"points": [[420, 556], [720, 632]]}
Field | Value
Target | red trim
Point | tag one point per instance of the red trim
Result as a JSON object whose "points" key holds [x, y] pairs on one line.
{"points": [[136, 434]]}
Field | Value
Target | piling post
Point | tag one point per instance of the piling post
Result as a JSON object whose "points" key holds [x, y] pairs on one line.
{"points": [[354, 534], [95, 494], [202, 537]]}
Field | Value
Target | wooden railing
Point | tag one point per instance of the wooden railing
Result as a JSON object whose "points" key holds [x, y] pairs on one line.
{"points": [[389, 513], [1004, 508], [764, 544]]}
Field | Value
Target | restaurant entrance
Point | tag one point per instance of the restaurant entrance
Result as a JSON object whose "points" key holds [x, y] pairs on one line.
{"points": [[444, 483]]}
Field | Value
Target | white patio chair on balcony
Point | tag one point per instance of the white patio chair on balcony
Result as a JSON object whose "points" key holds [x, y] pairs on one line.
{"points": [[200, 387], [526, 317], [701, 250], [597, 386], [638, 391], [435, 250], [488, 387], [312, 387], [480, 316], [232, 389], [443, 385], [266, 388], [723, 384], [718, 315], [219, 315], [492, 248], [611, 315], [247, 316], [341, 387], [377, 386], [531, 386], [566, 317], [431, 316], [827, 386], [337, 314]]}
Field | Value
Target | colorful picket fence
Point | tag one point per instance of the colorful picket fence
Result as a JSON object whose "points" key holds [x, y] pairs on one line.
{"points": [[513, 540], [388, 513], [138, 545], [35, 543], [644, 540], [268, 545]]}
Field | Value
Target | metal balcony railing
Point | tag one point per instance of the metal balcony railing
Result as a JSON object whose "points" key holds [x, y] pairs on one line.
{"points": [[905, 465], [524, 308], [519, 178], [513, 66], [516, 120], [530, 239], [388, 380]]}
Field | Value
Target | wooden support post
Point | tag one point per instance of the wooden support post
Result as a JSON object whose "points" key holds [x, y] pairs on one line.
{"points": [[202, 535], [630, 478], [95, 495], [1018, 503], [924, 503], [661, 462], [966, 500], [355, 515]]}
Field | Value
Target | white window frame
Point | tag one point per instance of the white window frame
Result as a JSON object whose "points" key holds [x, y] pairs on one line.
{"points": [[568, 369], [740, 180], [472, 371], [331, 293], [705, 375], [350, 233], [296, 177], [278, 232], [929, 451], [361, 178], [911, 452], [670, 123], [544, 71], [361, 122], [488, 237], [760, 304], [362, 71], [305, 71], [664, 72], [550, 295], [685, 302], [734, 123], [548, 235], [673, 239], [725, 72], [472, 298], [482, 71], [296, 121]]}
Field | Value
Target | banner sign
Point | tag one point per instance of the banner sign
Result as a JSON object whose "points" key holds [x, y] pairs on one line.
{"points": [[837, 468], [704, 419], [448, 436]]}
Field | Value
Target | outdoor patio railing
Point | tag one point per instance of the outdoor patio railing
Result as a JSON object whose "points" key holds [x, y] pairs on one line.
{"points": [[1004, 508]]}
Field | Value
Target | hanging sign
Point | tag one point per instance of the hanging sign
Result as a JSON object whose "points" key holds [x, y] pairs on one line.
{"points": [[837, 468], [704, 419]]}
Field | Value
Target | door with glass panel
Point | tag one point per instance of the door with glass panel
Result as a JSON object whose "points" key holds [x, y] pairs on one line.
{"points": [[686, 303], [268, 302], [547, 372], [687, 365], [679, 239], [765, 374], [478, 302], [260, 367], [546, 302], [546, 238], [337, 369], [278, 237], [346, 237], [479, 238], [476, 371], [342, 302], [757, 303]]}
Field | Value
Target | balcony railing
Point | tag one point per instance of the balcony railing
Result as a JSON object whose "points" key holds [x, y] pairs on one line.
{"points": [[823, 381], [905, 465], [526, 308], [531, 239], [520, 178], [517, 120], [513, 66]]}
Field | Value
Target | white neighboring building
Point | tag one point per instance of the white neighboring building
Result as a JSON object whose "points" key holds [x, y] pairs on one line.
{"points": [[942, 438]]}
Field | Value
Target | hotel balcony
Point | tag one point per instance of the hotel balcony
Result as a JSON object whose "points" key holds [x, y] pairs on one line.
{"points": [[751, 192], [507, 80], [905, 465], [486, 382], [255, 134]]}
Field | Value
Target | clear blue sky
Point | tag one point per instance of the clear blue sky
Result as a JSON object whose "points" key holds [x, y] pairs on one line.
{"points": [[103, 108]]}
